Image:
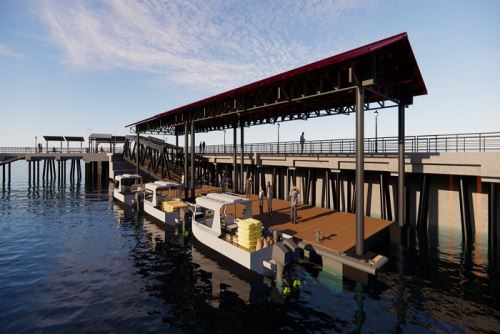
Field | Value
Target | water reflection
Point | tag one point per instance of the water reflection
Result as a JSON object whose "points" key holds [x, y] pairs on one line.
{"points": [[73, 259]]}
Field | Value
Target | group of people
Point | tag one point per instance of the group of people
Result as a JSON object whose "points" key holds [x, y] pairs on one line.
{"points": [[268, 194], [202, 146]]}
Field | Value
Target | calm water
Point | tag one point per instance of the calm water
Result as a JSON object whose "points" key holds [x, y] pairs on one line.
{"points": [[72, 260]]}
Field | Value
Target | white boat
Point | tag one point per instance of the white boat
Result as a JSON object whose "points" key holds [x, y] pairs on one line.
{"points": [[123, 186], [157, 192], [212, 222]]}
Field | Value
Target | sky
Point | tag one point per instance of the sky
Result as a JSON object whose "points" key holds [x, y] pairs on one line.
{"points": [[81, 67]]}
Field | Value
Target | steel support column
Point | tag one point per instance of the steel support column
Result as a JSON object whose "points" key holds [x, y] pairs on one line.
{"points": [[360, 172], [401, 165], [193, 188], [242, 157], [137, 154], [235, 170], [186, 159]]}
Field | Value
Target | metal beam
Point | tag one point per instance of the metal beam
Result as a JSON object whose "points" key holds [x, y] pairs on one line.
{"points": [[186, 159], [401, 165], [242, 157], [137, 154], [235, 171], [360, 172], [192, 161]]}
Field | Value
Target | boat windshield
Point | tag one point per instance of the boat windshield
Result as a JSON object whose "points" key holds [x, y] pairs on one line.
{"points": [[204, 216], [148, 195]]}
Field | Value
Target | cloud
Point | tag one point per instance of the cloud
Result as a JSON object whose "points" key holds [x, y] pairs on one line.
{"points": [[5, 51], [207, 44]]}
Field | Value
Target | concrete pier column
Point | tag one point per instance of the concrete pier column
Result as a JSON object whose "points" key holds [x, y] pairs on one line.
{"points": [[360, 172], [29, 172], [401, 165]]}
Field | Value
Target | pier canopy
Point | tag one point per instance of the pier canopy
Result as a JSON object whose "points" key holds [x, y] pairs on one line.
{"points": [[386, 69]]}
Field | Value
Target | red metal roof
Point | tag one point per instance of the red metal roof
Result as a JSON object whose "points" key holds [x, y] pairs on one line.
{"points": [[418, 87]]}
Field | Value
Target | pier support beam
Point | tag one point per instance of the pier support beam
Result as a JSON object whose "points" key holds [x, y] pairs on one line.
{"points": [[492, 224], [401, 165], [360, 172], [465, 211]]}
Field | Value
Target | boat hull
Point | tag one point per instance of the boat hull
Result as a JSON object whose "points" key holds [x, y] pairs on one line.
{"points": [[127, 199], [166, 217], [249, 260]]}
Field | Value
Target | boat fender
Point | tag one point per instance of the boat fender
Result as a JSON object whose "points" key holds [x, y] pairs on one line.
{"points": [[296, 284]]}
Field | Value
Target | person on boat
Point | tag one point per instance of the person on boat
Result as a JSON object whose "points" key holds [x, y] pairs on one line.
{"points": [[261, 200], [294, 194], [269, 195]]}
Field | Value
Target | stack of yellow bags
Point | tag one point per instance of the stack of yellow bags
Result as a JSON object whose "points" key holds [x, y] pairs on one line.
{"points": [[249, 230], [171, 206]]}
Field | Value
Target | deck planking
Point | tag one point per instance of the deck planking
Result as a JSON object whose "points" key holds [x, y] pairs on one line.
{"points": [[337, 229]]}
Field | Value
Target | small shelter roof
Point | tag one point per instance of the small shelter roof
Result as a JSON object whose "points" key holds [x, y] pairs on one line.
{"points": [[53, 138], [72, 138], [100, 136]]}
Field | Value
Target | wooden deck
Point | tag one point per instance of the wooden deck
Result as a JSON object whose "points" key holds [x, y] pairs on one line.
{"points": [[337, 229]]}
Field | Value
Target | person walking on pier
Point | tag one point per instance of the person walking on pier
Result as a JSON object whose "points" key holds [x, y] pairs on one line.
{"points": [[261, 200], [294, 195], [269, 196], [302, 141]]}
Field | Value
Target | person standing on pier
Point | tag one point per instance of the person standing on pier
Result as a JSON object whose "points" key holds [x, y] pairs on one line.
{"points": [[223, 181], [248, 186], [302, 142], [261, 200], [203, 146], [294, 195], [269, 196]]}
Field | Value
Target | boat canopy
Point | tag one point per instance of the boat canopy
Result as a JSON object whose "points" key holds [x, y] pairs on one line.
{"points": [[162, 185], [127, 176], [210, 203], [229, 199]]}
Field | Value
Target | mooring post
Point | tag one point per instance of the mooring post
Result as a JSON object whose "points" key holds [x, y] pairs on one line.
{"points": [[401, 165], [360, 172]]}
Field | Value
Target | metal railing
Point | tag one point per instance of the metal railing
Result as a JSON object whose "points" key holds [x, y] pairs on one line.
{"points": [[465, 142], [24, 150]]}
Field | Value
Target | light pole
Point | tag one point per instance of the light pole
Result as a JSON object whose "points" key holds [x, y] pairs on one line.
{"points": [[36, 144], [278, 124], [376, 137]]}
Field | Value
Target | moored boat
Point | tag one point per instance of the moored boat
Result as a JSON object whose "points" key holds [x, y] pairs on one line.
{"points": [[123, 188], [162, 201], [215, 224]]}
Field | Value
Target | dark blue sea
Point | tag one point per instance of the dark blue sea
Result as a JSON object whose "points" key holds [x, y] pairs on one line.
{"points": [[72, 260]]}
